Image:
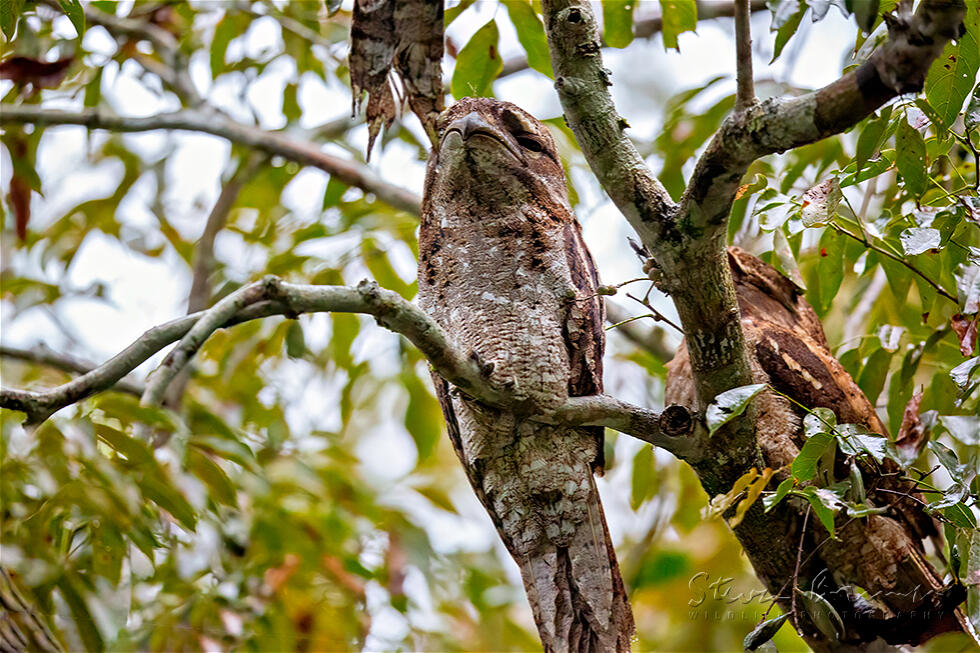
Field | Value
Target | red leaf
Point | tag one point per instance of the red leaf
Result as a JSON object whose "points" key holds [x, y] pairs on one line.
{"points": [[966, 330], [40, 74], [911, 435], [20, 200]]}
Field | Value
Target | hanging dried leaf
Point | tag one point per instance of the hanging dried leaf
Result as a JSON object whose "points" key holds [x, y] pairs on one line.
{"points": [[39, 74], [405, 37], [965, 327], [912, 433]]}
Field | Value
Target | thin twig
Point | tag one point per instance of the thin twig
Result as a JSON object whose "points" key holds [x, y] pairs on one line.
{"points": [[656, 315], [796, 570], [745, 91], [898, 259]]}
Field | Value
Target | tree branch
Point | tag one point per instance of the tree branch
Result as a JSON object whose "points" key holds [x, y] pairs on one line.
{"points": [[211, 122], [65, 363], [271, 296], [581, 81], [745, 91], [898, 66]]}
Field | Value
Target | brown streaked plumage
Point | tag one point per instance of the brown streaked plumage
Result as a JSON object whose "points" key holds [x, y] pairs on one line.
{"points": [[503, 268], [882, 554]]}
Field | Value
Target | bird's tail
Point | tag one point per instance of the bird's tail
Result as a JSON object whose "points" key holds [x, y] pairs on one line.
{"points": [[576, 592]]}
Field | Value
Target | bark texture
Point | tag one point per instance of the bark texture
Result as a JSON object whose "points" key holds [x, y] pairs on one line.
{"points": [[503, 269]]}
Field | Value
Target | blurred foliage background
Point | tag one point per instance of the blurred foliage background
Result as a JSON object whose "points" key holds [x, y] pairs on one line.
{"points": [[308, 499]]}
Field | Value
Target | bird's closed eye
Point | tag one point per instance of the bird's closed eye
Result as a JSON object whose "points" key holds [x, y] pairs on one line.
{"points": [[529, 143]]}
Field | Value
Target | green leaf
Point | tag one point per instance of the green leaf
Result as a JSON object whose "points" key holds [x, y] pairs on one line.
{"points": [[224, 32], [829, 270], [865, 13], [763, 632], [805, 463], [451, 13], [870, 139], [678, 16], [786, 30], [295, 341], [961, 516], [162, 493], [823, 615], [81, 616], [730, 404], [423, 418], [911, 159], [874, 373], [772, 500], [222, 489], [825, 504], [93, 90], [643, 479], [290, 103], [530, 34], [73, 9], [10, 11], [617, 21], [785, 259], [478, 64], [951, 77]]}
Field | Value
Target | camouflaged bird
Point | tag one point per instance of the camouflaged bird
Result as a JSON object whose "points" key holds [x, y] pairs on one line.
{"points": [[504, 270], [882, 553]]}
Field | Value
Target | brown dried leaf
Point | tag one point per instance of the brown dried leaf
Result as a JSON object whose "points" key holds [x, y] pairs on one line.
{"points": [[39, 74], [276, 577], [911, 434], [20, 201], [404, 37], [965, 327]]}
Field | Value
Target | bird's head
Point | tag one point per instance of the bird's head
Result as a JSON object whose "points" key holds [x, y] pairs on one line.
{"points": [[489, 149]]}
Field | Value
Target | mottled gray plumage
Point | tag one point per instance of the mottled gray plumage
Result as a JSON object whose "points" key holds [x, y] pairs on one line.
{"points": [[503, 268]]}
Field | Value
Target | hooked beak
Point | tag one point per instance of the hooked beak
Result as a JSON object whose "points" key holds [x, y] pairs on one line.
{"points": [[473, 124]]}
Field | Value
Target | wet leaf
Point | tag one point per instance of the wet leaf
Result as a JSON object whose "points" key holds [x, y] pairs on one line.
{"points": [[916, 240], [763, 632], [912, 434], [971, 119], [820, 203], [730, 404], [826, 504], [785, 23], [964, 428]]}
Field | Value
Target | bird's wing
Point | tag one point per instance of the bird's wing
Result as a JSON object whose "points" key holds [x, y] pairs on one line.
{"points": [[584, 336]]}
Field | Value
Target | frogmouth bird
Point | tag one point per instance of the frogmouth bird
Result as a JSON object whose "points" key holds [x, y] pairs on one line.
{"points": [[882, 553], [504, 270]]}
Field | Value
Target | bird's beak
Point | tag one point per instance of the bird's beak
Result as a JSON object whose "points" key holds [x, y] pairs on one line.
{"points": [[473, 124]]}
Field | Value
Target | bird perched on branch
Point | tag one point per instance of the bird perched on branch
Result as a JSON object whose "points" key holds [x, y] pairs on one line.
{"points": [[882, 553], [504, 270]]}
